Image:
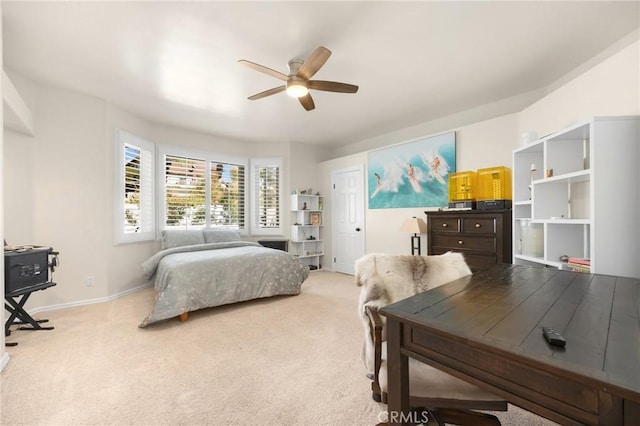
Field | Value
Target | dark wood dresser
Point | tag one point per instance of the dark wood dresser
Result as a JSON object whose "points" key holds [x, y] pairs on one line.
{"points": [[484, 236]]}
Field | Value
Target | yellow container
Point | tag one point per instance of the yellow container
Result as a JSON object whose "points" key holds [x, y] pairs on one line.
{"points": [[494, 183], [462, 186]]}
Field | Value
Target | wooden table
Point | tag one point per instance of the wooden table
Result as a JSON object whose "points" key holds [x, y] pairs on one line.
{"points": [[486, 329]]}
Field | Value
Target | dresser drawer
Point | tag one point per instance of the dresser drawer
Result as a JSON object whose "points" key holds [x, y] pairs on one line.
{"points": [[459, 242], [475, 261], [445, 224], [479, 225]]}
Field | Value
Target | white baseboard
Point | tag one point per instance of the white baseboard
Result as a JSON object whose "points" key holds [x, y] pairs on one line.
{"points": [[4, 360], [88, 301]]}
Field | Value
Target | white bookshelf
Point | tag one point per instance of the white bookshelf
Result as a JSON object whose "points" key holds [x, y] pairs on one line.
{"points": [[306, 241], [589, 206]]}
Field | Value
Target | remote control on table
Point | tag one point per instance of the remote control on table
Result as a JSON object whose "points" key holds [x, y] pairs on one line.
{"points": [[553, 338]]}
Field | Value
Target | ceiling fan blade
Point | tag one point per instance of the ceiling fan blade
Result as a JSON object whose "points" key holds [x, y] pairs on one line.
{"points": [[307, 102], [262, 68], [267, 93], [333, 86], [314, 62]]}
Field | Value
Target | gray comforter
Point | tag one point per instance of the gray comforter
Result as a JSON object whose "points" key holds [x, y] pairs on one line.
{"points": [[199, 276]]}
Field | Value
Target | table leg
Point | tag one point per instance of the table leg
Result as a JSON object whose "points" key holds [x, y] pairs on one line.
{"points": [[398, 376]]}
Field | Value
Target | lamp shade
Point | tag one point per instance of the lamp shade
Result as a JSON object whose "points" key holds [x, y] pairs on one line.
{"points": [[414, 225]]}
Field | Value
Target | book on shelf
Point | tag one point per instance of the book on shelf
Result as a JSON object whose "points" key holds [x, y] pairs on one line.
{"points": [[578, 268], [579, 261]]}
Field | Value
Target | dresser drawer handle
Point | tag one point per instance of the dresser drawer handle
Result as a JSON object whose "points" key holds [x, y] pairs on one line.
{"points": [[444, 225], [478, 225], [460, 242]]}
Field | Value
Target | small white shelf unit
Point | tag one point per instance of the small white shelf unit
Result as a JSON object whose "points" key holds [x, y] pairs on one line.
{"points": [[582, 200], [306, 241]]}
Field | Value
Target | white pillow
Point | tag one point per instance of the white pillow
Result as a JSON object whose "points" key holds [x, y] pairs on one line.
{"points": [[181, 237], [220, 235]]}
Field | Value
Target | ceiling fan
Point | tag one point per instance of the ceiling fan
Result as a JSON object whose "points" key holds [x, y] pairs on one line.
{"points": [[298, 82]]}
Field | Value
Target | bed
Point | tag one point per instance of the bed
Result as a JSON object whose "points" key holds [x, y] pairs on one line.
{"points": [[209, 267]]}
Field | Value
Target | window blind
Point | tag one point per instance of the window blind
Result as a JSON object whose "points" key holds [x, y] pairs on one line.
{"points": [[227, 194], [135, 189], [138, 188], [267, 183], [185, 192]]}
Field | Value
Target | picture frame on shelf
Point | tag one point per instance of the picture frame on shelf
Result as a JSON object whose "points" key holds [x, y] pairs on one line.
{"points": [[315, 218]]}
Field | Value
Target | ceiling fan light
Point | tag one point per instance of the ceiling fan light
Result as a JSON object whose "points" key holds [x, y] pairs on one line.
{"points": [[297, 88]]}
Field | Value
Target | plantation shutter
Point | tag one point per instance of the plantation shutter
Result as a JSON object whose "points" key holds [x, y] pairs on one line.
{"points": [[185, 192], [227, 194], [138, 189], [132, 187], [267, 184], [134, 218]]}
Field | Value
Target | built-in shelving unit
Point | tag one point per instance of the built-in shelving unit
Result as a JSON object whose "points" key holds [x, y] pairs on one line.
{"points": [[306, 237], [575, 193]]}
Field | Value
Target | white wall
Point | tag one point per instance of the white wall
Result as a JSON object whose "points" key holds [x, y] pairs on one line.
{"points": [[19, 220], [19, 152], [62, 200], [609, 88], [304, 165]]}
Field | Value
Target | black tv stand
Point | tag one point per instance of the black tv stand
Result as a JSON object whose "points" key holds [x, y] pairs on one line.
{"points": [[14, 303], [27, 270]]}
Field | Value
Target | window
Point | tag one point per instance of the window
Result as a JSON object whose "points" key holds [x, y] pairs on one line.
{"points": [[194, 190], [200, 191], [135, 216], [227, 194], [267, 196], [185, 192]]}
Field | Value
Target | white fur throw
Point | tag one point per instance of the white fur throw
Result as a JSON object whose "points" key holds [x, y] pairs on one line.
{"points": [[388, 278]]}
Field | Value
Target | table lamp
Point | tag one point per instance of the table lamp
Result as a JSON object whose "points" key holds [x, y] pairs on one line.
{"points": [[414, 226]]}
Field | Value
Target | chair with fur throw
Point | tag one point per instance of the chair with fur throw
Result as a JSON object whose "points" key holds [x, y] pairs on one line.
{"points": [[387, 278]]}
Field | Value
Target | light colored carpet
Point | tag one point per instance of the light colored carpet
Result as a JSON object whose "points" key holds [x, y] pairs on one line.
{"points": [[290, 360]]}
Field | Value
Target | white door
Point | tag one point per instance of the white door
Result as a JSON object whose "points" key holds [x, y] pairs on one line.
{"points": [[347, 218]]}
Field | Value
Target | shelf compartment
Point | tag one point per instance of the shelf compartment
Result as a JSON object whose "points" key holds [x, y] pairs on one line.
{"points": [[303, 233], [523, 158], [307, 248], [567, 239], [312, 262], [303, 217], [562, 200], [568, 151], [522, 211], [529, 238], [303, 202]]}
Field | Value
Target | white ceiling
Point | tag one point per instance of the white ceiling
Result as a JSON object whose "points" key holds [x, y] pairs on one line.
{"points": [[176, 62]]}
